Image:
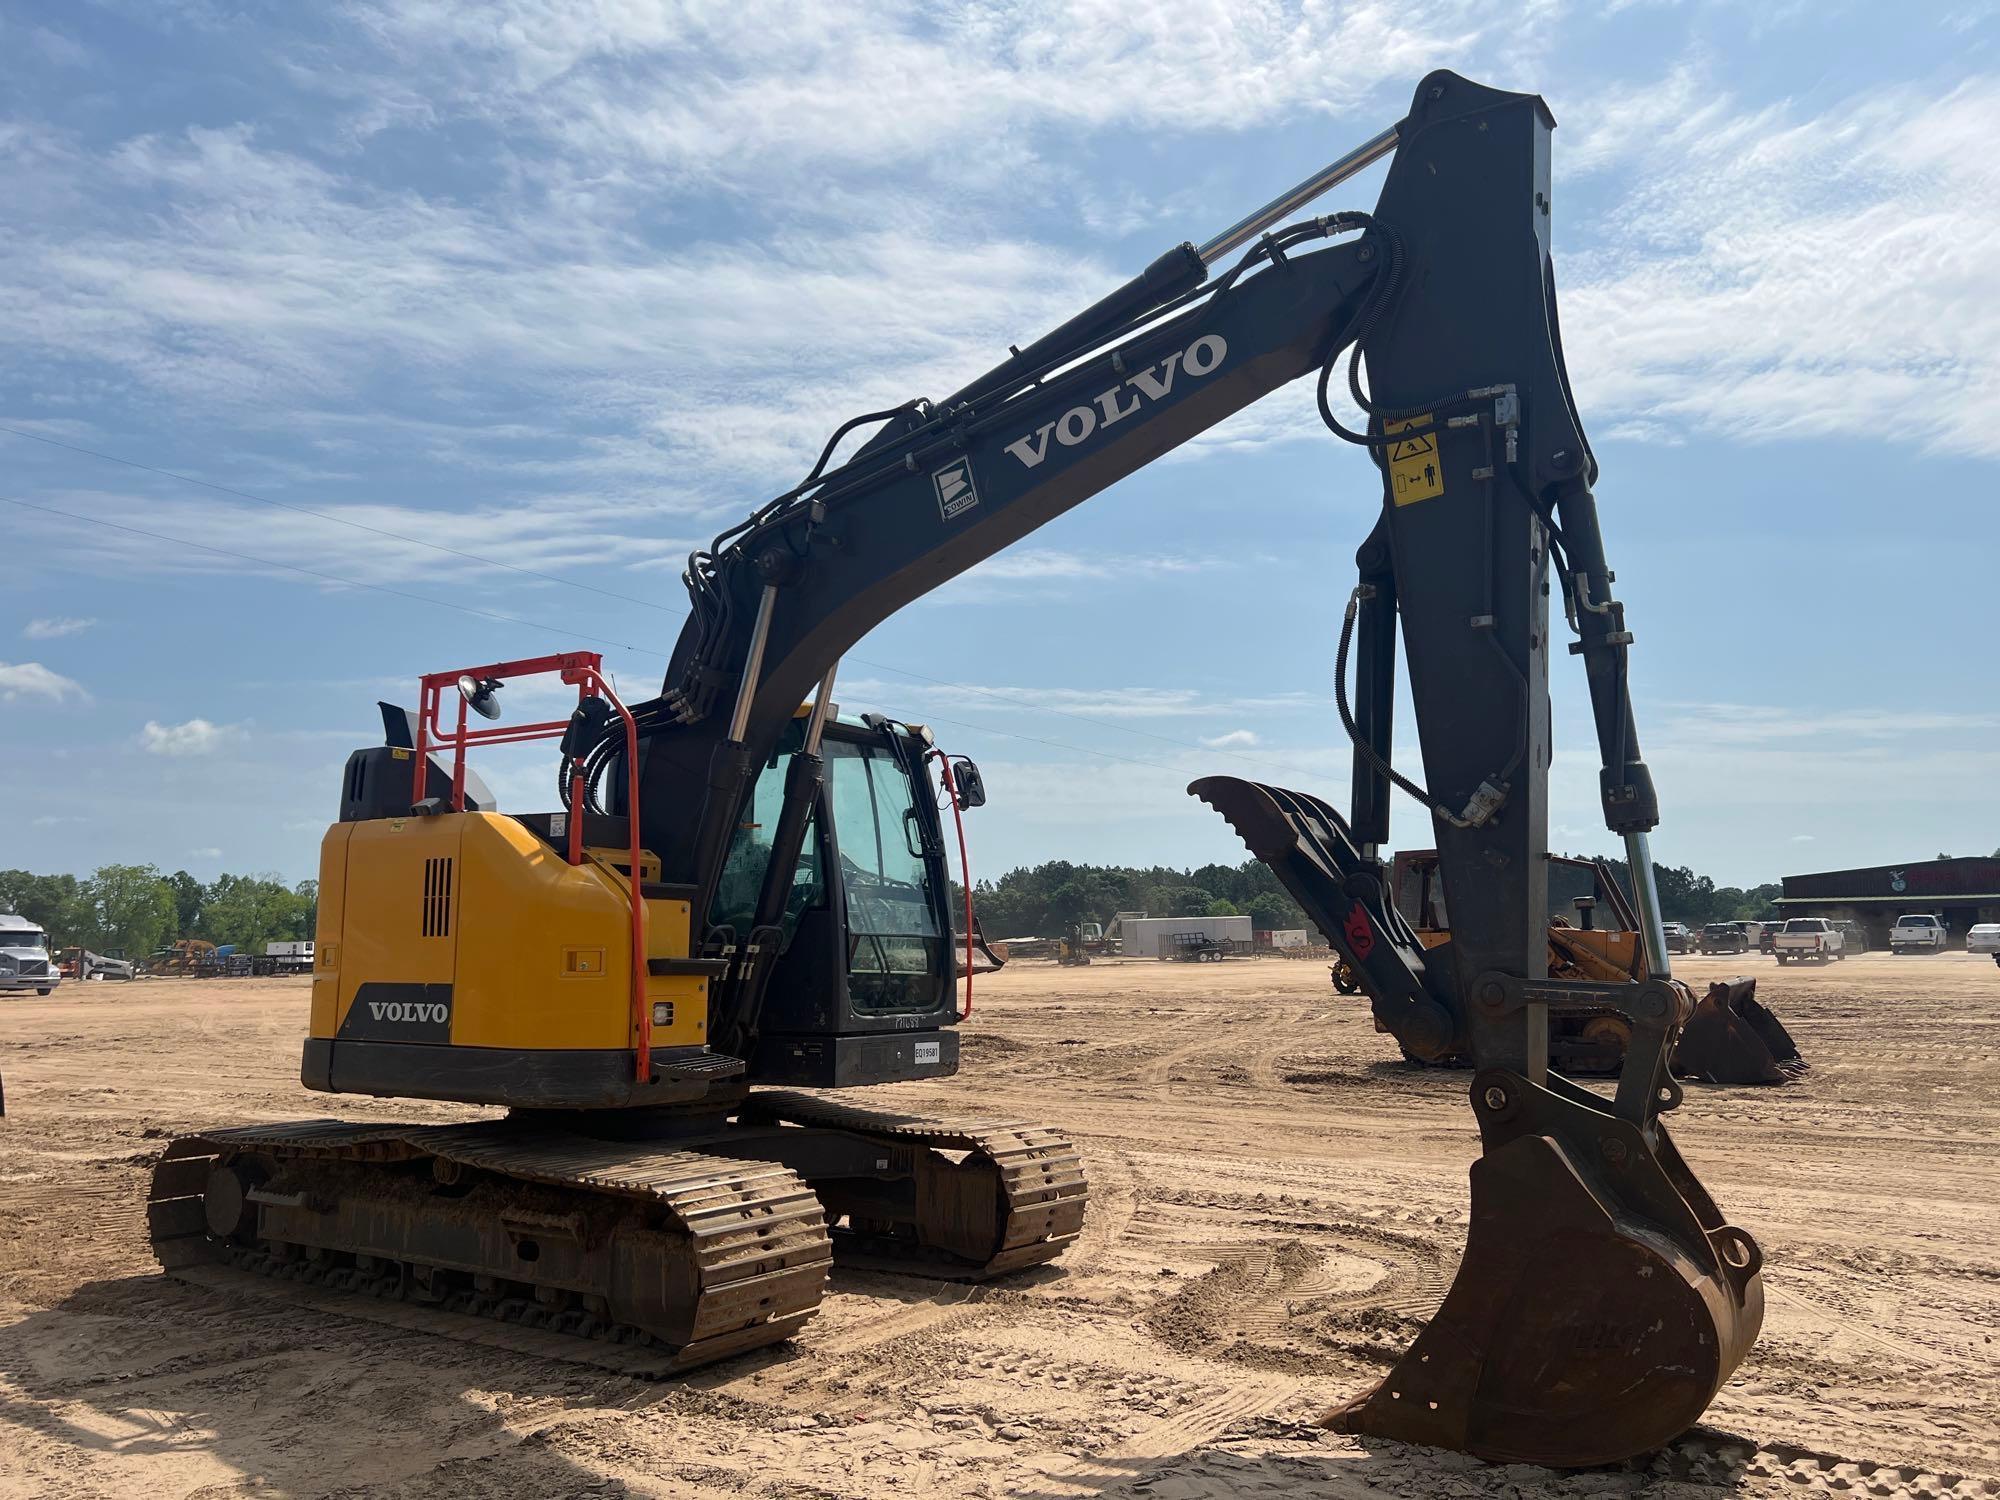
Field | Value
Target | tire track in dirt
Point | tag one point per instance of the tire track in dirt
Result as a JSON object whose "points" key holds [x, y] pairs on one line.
{"points": [[1820, 1312], [1705, 1456], [1114, 1202], [1160, 1068], [1124, 1463]]}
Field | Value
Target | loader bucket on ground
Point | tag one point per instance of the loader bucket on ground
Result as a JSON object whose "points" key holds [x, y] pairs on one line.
{"points": [[1572, 1335], [1731, 1038]]}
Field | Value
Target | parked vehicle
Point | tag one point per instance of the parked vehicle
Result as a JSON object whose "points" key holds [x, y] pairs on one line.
{"points": [[1853, 936], [81, 963], [1723, 937], [1680, 937], [25, 963], [1808, 940], [289, 957], [1983, 937], [1757, 933], [1768, 937], [1918, 933]]}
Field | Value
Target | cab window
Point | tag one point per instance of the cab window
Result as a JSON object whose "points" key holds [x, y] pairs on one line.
{"points": [[750, 853], [895, 951]]}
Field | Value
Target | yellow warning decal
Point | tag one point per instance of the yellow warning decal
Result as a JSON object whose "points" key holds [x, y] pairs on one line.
{"points": [[1414, 471]]}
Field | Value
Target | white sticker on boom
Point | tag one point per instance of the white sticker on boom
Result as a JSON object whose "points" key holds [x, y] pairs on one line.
{"points": [[956, 493], [927, 1052]]}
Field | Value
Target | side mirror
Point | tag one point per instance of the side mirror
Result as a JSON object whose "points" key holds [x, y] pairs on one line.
{"points": [[970, 784]]}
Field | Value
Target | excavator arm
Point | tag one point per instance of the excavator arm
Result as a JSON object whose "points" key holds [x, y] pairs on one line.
{"points": [[1603, 1298]]}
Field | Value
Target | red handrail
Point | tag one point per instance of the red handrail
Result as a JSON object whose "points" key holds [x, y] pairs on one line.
{"points": [[583, 670]]}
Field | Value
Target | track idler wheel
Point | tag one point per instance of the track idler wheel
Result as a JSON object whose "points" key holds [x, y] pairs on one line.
{"points": [[1595, 1314]]}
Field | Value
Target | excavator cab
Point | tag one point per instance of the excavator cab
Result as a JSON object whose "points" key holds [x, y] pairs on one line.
{"points": [[862, 989]]}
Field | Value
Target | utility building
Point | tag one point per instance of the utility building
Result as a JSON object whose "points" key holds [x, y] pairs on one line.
{"points": [[1959, 892], [1148, 937]]}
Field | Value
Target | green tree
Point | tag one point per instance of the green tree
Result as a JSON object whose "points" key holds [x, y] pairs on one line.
{"points": [[1268, 912], [188, 893], [308, 893], [252, 910], [127, 908], [52, 902], [1221, 906]]}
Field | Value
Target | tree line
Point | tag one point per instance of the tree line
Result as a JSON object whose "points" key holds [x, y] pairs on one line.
{"points": [[1695, 899], [1042, 900], [136, 911]]}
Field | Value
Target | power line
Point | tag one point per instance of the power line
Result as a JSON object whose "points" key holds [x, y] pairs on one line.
{"points": [[475, 557]]}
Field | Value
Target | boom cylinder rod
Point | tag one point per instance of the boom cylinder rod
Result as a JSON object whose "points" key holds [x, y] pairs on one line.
{"points": [[753, 664], [1639, 860], [1332, 175]]}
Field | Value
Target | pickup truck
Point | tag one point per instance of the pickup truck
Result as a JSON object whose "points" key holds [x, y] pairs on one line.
{"points": [[1917, 934], [1807, 940]]}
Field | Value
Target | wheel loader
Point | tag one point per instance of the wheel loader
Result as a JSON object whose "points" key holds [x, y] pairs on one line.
{"points": [[733, 908]]}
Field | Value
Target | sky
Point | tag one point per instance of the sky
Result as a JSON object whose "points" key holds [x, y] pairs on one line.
{"points": [[341, 343]]}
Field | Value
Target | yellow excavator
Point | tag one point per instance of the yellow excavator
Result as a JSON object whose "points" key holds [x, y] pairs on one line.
{"points": [[734, 898]]}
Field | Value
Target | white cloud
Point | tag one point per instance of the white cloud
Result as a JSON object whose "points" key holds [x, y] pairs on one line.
{"points": [[908, 84], [30, 679], [1093, 702], [55, 627], [204, 854], [1769, 273], [1802, 838], [1235, 739], [1762, 724], [195, 737]]}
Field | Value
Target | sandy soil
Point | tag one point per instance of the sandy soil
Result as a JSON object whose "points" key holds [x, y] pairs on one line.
{"points": [[1278, 1202]]}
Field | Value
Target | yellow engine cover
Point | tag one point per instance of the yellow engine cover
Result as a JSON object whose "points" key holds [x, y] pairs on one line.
{"points": [[467, 929]]}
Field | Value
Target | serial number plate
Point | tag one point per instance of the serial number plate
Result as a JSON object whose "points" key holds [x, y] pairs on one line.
{"points": [[927, 1052]]}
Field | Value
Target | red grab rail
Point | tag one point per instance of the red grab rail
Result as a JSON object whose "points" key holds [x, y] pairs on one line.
{"points": [[583, 670]]}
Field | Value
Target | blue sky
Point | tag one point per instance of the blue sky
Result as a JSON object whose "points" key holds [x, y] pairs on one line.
{"points": [[567, 284]]}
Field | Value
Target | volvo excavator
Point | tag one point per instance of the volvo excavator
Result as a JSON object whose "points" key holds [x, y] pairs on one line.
{"points": [[737, 898]]}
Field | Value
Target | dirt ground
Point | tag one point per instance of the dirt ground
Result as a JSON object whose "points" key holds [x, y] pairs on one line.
{"points": [[1277, 1203]]}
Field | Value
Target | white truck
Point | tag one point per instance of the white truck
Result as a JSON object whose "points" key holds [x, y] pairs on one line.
{"points": [[289, 957], [1919, 933], [1808, 940], [25, 960]]}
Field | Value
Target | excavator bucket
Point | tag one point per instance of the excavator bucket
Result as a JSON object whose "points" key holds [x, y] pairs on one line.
{"points": [[1732, 1038], [1573, 1334], [1603, 1300]]}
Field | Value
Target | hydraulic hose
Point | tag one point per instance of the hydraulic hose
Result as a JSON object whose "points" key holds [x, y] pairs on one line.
{"points": [[1361, 746]]}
